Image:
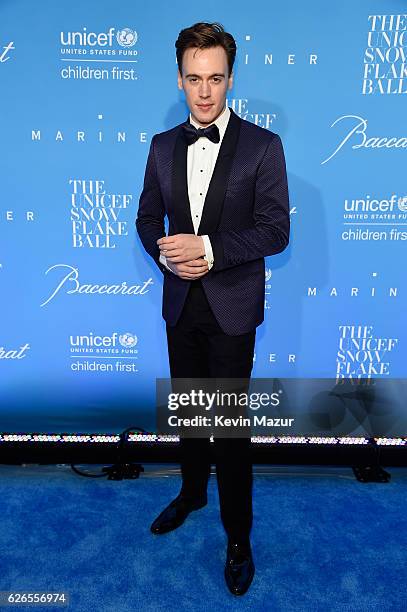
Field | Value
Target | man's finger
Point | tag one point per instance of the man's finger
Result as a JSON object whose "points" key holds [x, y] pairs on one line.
{"points": [[196, 263], [167, 239], [177, 258], [191, 276], [168, 247], [193, 273], [187, 266]]}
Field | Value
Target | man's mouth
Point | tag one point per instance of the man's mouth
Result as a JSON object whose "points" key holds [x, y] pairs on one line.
{"points": [[204, 106]]}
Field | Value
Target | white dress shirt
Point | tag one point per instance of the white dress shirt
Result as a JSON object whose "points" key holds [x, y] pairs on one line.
{"points": [[201, 160]]}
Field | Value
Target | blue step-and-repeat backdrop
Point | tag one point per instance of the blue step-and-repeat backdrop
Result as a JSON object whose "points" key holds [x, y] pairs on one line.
{"points": [[83, 88]]}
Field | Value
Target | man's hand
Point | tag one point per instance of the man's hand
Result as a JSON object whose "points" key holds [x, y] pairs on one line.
{"points": [[191, 270], [181, 248]]}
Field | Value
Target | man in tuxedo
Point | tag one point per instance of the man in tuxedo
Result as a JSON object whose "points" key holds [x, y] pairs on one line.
{"points": [[222, 183]]}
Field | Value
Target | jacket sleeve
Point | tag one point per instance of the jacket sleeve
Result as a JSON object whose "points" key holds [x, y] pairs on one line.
{"points": [[151, 212], [271, 216]]}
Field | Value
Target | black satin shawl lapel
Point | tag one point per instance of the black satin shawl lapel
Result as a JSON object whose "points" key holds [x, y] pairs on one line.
{"points": [[215, 196]]}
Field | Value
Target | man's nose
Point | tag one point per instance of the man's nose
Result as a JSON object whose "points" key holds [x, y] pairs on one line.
{"points": [[205, 90]]}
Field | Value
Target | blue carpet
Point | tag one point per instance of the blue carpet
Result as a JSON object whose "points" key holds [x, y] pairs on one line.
{"points": [[320, 540]]}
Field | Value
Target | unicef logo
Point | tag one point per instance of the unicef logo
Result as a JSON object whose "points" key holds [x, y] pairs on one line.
{"points": [[126, 37], [128, 340], [403, 204], [268, 274]]}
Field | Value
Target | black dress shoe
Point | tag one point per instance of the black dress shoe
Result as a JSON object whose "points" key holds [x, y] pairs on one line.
{"points": [[239, 568], [175, 513]]}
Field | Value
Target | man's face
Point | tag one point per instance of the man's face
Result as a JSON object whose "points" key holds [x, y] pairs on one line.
{"points": [[205, 82]]}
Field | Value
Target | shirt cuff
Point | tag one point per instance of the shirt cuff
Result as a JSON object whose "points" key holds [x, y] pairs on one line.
{"points": [[163, 260], [208, 251]]}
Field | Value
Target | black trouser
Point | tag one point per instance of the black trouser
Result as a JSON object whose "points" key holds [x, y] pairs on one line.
{"points": [[198, 348]]}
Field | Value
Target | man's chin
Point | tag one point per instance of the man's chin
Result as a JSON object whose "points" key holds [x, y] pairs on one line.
{"points": [[206, 118]]}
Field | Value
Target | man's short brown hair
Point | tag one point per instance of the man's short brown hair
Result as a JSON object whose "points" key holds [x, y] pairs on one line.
{"points": [[203, 36]]}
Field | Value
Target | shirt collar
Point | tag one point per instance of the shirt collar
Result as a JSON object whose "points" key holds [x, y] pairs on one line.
{"points": [[221, 121]]}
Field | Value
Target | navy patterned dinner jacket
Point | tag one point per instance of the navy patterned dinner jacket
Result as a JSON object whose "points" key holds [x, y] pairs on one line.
{"points": [[245, 215]]}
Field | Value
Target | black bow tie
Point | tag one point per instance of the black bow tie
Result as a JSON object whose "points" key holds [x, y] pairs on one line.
{"points": [[191, 133]]}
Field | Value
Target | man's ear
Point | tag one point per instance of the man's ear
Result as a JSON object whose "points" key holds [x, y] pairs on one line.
{"points": [[179, 78], [230, 80]]}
